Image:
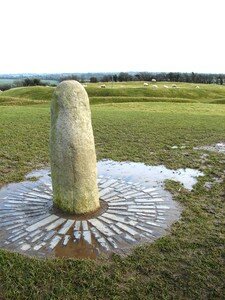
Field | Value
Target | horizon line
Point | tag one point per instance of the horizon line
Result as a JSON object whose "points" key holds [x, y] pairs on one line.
{"points": [[107, 72]]}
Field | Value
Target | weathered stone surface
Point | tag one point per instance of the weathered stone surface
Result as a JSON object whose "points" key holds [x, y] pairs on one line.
{"points": [[72, 148]]}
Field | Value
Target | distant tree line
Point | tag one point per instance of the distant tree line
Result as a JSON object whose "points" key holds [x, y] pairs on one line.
{"points": [[5, 86], [171, 76], [148, 76], [23, 83], [29, 82], [36, 79], [70, 77]]}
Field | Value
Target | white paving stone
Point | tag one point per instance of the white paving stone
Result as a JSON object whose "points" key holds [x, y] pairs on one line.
{"points": [[38, 247], [77, 235], [103, 243], [113, 217], [143, 201], [131, 222], [36, 238], [116, 229], [95, 232], [25, 247], [54, 242], [108, 196], [141, 210], [55, 224], [120, 212], [41, 223], [87, 236], [15, 226], [149, 190], [129, 238], [77, 226], [112, 242], [126, 228], [66, 227], [118, 203], [144, 228], [147, 215], [40, 195], [108, 183], [32, 234], [162, 207], [101, 227], [84, 225], [105, 220], [154, 194], [16, 231], [18, 237], [150, 207], [123, 207], [12, 222], [115, 198], [132, 196], [66, 240], [104, 192], [35, 200], [49, 235]]}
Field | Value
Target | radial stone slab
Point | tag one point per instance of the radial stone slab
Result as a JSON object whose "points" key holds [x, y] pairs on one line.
{"points": [[130, 214]]}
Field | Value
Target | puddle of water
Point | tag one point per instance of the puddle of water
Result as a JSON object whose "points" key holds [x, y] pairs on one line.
{"points": [[137, 209], [80, 249], [154, 176]]}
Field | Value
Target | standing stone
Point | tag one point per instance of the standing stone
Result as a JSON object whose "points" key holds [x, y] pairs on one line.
{"points": [[72, 150]]}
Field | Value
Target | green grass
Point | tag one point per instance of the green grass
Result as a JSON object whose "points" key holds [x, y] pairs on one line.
{"points": [[128, 92], [5, 101], [189, 263], [31, 93]]}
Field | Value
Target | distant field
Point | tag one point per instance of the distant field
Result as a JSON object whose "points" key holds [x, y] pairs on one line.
{"points": [[125, 92]]}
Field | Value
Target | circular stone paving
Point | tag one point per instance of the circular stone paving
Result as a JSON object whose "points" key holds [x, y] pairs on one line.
{"points": [[131, 214]]}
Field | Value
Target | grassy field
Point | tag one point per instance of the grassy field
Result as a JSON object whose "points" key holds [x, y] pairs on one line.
{"points": [[130, 123], [124, 92]]}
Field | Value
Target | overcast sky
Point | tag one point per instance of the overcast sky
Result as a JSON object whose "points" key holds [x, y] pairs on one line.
{"points": [[49, 36]]}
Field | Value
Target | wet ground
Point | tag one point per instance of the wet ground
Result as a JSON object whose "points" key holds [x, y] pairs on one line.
{"points": [[135, 208], [219, 148]]}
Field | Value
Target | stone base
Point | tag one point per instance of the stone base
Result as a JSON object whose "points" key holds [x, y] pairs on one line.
{"points": [[130, 215]]}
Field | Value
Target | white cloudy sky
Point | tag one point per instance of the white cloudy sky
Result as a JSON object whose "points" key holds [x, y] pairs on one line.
{"points": [[112, 35]]}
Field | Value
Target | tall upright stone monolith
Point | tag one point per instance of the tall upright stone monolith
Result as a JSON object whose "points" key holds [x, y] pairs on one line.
{"points": [[72, 150]]}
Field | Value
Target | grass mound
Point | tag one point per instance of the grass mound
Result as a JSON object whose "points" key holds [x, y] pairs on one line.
{"points": [[129, 92], [31, 93]]}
